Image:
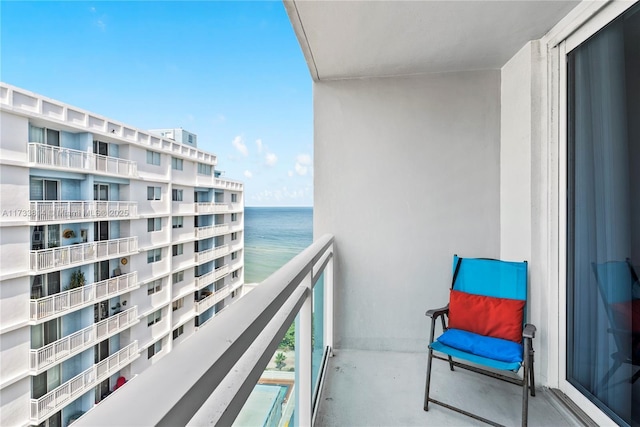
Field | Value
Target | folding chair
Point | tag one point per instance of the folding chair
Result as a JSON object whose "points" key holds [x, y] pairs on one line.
{"points": [[486, 327], [618, 282]]}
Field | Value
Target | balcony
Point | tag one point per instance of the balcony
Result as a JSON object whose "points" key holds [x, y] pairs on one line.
{"points": [[228, 185], [73, 299], [211, 300], [211, 207], [211, 254], [211, 231], [44, 211], [48, 156], [81, 340], [66, 393], [212, 276], [68, 256]]}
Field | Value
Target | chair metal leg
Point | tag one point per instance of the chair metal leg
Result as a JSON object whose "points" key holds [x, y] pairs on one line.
{"points": [[444, 328], [525, 384], [532, 381], [428, 383]]}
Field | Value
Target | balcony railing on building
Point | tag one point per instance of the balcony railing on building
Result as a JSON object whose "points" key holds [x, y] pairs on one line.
{"points": [[228, 360], [212, 276], [81, 340], [211, 254], [211, 231], [211, 300], [59, 210], [211, 207], [73, 299], [82, 253], [65, 158], [228, 185], [66, 393]]}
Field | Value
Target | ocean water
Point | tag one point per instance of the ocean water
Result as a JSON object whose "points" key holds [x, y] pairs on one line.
{"points": [[272, 237]]}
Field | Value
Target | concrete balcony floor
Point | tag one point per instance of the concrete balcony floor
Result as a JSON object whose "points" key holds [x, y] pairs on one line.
{"points": [[375, 388]]}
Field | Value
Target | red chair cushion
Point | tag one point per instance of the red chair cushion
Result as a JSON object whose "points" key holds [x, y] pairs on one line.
{"points": [[488, 316]]}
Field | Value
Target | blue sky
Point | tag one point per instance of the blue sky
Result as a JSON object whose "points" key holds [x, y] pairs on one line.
{"points": [[231, 72]]}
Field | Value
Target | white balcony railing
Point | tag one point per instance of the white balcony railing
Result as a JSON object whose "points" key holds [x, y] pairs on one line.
{"points": [[73, 299], [58, 210], [65, 158], [211, 207], [66, 393], [47, 259], [211, 231], [228, 185], [211, 300], [226, 361], [212, 276], [81, 340], [211, 254]]}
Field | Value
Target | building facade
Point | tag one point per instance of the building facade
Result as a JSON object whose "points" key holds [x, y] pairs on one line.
{"points": [[116, 245]]}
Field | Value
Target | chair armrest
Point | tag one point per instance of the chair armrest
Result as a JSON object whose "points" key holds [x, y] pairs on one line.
{"points": [[529, 331], [437, 312]]}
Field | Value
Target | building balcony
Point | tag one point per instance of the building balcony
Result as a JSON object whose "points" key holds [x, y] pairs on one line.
{"points": [[43, 309], [78, 254], [211, 300], [211, 254], [66, 393], [226, 184], [211, 231], [48, 156], [211, 207], [58, 210], [66, 347], [212, 276]]}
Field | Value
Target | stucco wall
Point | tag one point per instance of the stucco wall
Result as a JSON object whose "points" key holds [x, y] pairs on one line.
{"points": [[426, 186]]}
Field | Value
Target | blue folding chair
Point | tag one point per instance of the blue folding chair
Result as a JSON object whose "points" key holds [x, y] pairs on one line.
{"points": [[484, 324]]}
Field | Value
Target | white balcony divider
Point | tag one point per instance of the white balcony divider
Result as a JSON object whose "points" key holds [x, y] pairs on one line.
{"points": [[228, 358], [211, 207], [57, 210], [211, 254], [72, 299], [66, 393], [211, 300], [79, 341], [68, 159], [211, 231], [70, 255]]}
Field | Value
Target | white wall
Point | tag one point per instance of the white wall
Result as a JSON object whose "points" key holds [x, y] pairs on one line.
{"points": [[14, 134], [406, 175]]}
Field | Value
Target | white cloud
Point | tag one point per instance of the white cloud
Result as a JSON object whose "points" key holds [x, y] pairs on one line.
{"points": [[248, 174], [239, 145], [259, 144], [290, 173], [271, 159], [304, 159], [300, 169]]}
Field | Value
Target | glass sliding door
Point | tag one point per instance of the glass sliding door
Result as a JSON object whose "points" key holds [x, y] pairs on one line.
{"points": [[603, 219]]}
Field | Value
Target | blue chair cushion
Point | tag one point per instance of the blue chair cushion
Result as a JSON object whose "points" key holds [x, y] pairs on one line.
{"points": [[489, 347]]}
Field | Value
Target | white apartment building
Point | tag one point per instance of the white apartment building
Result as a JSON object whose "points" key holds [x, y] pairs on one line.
{"points": [[116, 245]]}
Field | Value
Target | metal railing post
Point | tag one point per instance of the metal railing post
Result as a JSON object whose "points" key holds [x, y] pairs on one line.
{"points": [[304, 385], [328, 302]]}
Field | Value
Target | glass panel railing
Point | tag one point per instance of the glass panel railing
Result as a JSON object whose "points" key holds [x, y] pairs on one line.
{"points": [[317, 335]]}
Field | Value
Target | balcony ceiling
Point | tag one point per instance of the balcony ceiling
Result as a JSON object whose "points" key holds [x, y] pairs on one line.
{"points": [[351, 39]]}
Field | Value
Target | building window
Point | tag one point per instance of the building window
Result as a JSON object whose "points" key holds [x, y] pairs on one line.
{"points": [[177, 249], [177, 304], [176, 195], [234, 293], [234, 217], [177, 221], [190, 138], [154, 287], [235, 274], [154, 255], [178, 331], [234, 255], [153, 349], [204, 169], [154, 193], [178, 277], [234, 236], [176, 163], [154, 224], [154, 317], [234, 198], [153, 158]]}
